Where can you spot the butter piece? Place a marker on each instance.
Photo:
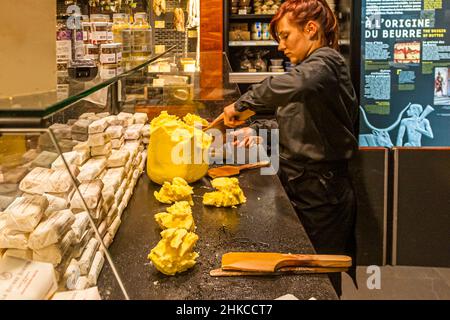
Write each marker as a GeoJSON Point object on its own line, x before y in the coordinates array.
{"type": "Point", "coordinates": [61, 131]}
{"type": "Point", "coordinates": [54, 253]}
{"type": "Point", "coordinates": [133, 132]}
{"type": "Point", "coordinates": [34, 180]}
{"type": "Point", "coordinates": [178, 215]}
{"type": "Point", "coordinates": [178, 190]}
{"type": "Point", "coordinates": [118, 158]}
{"type": "Point", "coordinates": [91, 192]}
{"type": "Point", "coordinates": [98, 126]}
{"type": "Point", "coordinates": [117, 143]}
{"type": "Point", "coordinates": [92, 169]}
{"type": "Point", "coordinates": [229, 193]}
{"type": "Point", "coordinates": [103, 150]}
{"type": "Point", "coordinates": [55, 204]}
{"type": "Point", "coordinates": [96, 268]}
{"type": "Point", "coordinates": [88, 255]}
{"type": "Point", "coordinates": [98, 139]}
{"type": "Point", "coordinates": [80, 224]}
{"type": "Point", "coordinates": [44, 159]}
{"type": "Point", "coordinates": [174, 252]}
{"type": "Point", "coordinates": [115, 132]}
{"type": "Point", "coordinates": [25, 254]}
{"type": "Point", "coordinates": [25, 213]}
{"type": "Point", "coordinates": [71, 157]}
{"type": "Point", "coordinates": [192, 119]}
{"type": "Point", "coordinates": [140, 117]}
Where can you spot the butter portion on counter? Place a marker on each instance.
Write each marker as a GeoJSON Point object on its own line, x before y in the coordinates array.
{"type": "Point", "coordinates": [178, 190]}
{"type": "Point", "coordinates": [191, 119]}
{"type": "Point", "coordinates": [176, 149]}
{"type": "Point", "coordinates": [229, 193]}
{"type": "Point", "coordinates": [177, 216]}
{"type": "Point", "coordinates": [174, 252]}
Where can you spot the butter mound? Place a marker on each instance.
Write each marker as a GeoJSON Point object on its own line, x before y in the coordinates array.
{"type": "Point", "coordinates": [229, 193]}
{"type": "Point", "coordinates": [177, 216]}
{"type": "Point", "coordinates": [176, 149]}
{"type": "Point", "coordinates": [174, 252]}
{"type": "Point", "coordinates": [191, 119]}
{"type": "Point", "coordinates": [178, 190]}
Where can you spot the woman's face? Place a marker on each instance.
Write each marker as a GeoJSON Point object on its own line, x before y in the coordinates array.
{"type": "Point", "coordinates": [294, 41]}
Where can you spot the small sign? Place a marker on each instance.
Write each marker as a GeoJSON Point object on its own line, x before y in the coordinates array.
{"type": "Point", "coordinates": [192, 33]}
{"type": "Point", "coordinates": [153, 68]}
{"type": "Point", "coordinates": [242, 11]}
{"type": "Point", "coordinates": [189, 67]}
{"type": "Point", "coordinates": [158, 82]}
{"type": "Point", "coordinates": [160, 24]}
{"type": "Point", "coordinates": [160, 48]}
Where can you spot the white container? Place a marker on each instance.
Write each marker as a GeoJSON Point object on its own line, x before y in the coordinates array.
{"type": "Point", "coordinates": [111, 54]}
{"type": "Point", "coordinates": [257, 35]}
{"type": "Point", "coordinates": [257, 26]}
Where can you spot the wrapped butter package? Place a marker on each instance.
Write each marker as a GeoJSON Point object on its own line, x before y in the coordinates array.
{"type": "Point", "coordinates": [112, 230]}
{"type": "Point", "coordinates": [82, 146]}
{"type": "Point", "coordinates": [87, 294]}
{"type": "Point", "coordinates": [71, 158]}
{"type": "Point", "coordinates": [87, 256]}
{"type": "Point", "coordinates": [83, 156]}
{"type": "Point", "coordinates": [127, 117]}
{"type": "Point", "coordinates": [5, 201]}
{"type": "Point", "coordinates": [71, 122]}
{"type": "Point", "coordinates": [102, 228]}
{"type": "Point", "coordinates": [92, 169]}
{"type": "Point", "coordinates": [30, 155]}
{"type": "Point", "coordinates": [55, 204]}
{"type": "Point", "coordinates": [60, 181]}
{"type": "Point", "coordinates": [25, 213]}
{"type": "Point", "coordinates": [80, 137]}
{"type": "Point", "coordinates": [91, 192]}
{"type": "Point", "coordinates": [108, 200]}
{"type": "Point", "coordinates": [81, 127]}
{"type": "Point", "coordinates": [107, 240]}
{"type": "Point", "coordinates": [112, 214]}
{"type": "Point", "coordinates": [104, 150]}
{"type": "Point", "coordinates": [98, 126]}
{"type": "Point", "coordinates": [87, 115]}
{"type": "Point", "coordinates": [112, 179]}
{"type": "Point", "coordinates": [13, 175]}
{"type": "Point", "coordinates": [117, 143]}
{"type": "Point", "coordinates": [102, 114]}
{"type": "Point", "coordinates": [61, 131]}
{"type": "Point", "coordinates": [80, 224]}
{"type": "Point", "coordinates": [146, 131]}
{"type": "Point", "coordinates": [25, 254]}
{"type": "Point", "coordinates": [64, 195]}
{"type": "Point", "coordinates": [71, 275]}
{"type": "Point", "coordinates": [140, 117]}
{"type": "Point", "coordinates": [96, 268]}
{"type": "Point", "coordinates": [133, 132]}
{"type": "Point", "coordinates": [120, 192]}
{"type": "Point", "coordinates": [115, 132]}
{"type": "Point", "coordinates": [54, 253]}
{"type": "Point", "coordinates": [51, 230]}
{"type": "Point", "coordinates": [81, 246]}
{"type": "Point", "coordinates": [98, 213]}
{"type": "Point", "coordinates": [44, 159]}
{"type": "Point", "coordinates": [132, 147]}
{"type": "Point", "coordinates": [34, 180]}
{"type": "Point", "coordinates": [98, 139]}
{"type": "Point", "coordinates": [146, 140]}
{"type": "Point", "coordinates": [118, 158]}
{"type": "Point", "coordinates": [11, 238]}
{"type": "Point", "coordinates": [114, 121]}
{"type": "Point", "coordinates": [27, 280]}
{"type": "Point", "coordinates": [67, 145]}
{"type": "Point", "coordinates": [82, 283]}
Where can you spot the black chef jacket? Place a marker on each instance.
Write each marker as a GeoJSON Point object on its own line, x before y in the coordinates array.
{"type": "Point", "coordinates": [317, 117]}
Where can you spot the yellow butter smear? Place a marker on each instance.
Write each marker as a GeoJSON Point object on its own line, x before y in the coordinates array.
{"type": "Point", "coordinates": [177, 149]}
{"type": "Point", "coordinates": [229, 193]}
{"type": "Point", "coordinates": [177, 216]}
{"type": "Point", "coordinates": [174, 252]}
{"type": "Point", "coordinates": [178, 190]}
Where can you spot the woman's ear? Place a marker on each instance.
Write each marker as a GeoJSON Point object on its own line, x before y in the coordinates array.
{"type": "Point", "coordinates": [312, 30]}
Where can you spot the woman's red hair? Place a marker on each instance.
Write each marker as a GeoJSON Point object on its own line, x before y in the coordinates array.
{"type": "Point", "coordinates": [302, 11]}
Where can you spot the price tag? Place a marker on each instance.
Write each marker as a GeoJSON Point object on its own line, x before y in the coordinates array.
{"type": "Point", "coordinates": [160, 48]}
{"type": "Point", "coordinates": [158, 82]}
{"type": "Point", "coordinates": [242, 11]}
{"type": "Point", "coordinates": [189, 67]}
{"type": "Point", "coordinates": [160, 24]}
{"type": "Point", "coordinates": [192, 33]}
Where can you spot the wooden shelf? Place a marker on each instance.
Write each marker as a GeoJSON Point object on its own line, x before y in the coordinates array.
{"type": "Point", "coordinates": [253, 43]}
{"type": "Point", "coordinates": [250, 16]}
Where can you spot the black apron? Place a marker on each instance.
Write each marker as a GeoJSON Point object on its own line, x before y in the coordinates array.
{"type": "Point", "coordinates": [325, 202]}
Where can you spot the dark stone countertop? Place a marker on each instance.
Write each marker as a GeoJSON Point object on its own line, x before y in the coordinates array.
{"type": "Point", "coordinates": [267, 222]}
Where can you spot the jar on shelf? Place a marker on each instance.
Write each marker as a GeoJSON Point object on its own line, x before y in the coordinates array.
{"type": "Point", "coordinates": [111, 55]}
{"type": "Point", "coordinates": [92, 51]}
{"type": "Point", "coordinates": [122, 33]}
{"type": "Point", "coordinates": [100, 18]}
{"type": "Point", "coordinates": [141, 37]}
{"type": "Point", "coordinates": [101, 32]}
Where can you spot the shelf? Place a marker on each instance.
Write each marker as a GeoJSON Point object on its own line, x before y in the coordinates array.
{"type": "Point", "coordinates": [254, 43]}
{"type": "Point", "coordinates": [344, 42]}
{"type": "Point", "coordinates": [251, 77]}
{"type": "Point", "coordinates": [43, 105]}
{"type": "Point", "coordinates": [250, 16]}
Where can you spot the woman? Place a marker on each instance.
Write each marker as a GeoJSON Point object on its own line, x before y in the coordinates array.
{"type": "Point", "coordinates": [317, 117]}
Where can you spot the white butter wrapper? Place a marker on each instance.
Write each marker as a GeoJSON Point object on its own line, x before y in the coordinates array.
{"type": "Point", "coordinates": [114, 121]}
{"type": "Point", "coordinates": [54, 253]}
{"type": "Point", "coordinates": [71, 157]}
{"type": "Point", "coordinates": [25, 213]}
{"type": "Point", "coordinates": [80, 247]}
{"type": "Point", "coordinates": [113, 178]}
{"type": "Point", "coordinates": [140, 118]}
{"type": "Point", "coordinates": [88, 255]}
{"type": "Point", "coordinates": [146, 131]}
{"type": "Point", "coordinates": [104, 150]}
{"type": "Point", "coordinates": [44, 159]}
{"type": "Point", "coordinates": [55, 204]}
{"type": "Point", "coordinates": [80, 137]}
{"type": "Point", "coordinates": [112, 230]}
{"type": "Point", "coordinates": [108, 200]}
{"type": "Point", "coordinates": [13, 175]}
{"type": "Point", "coordinates": [98, 139]}
{"type": "Point", "coordinates": [61, 131]}
{"type": "Point", "coordinates": [112, 214]}
{"type": "Point", "coordinates": [60, 181]}
{"type": "Point", "coordinates": [82, 283]}
{"type": "Point", "coordinates": [30, 155]}
{"type": "Point", "coordinates": [80, 225]}
{"type": "Point", "coordinates": [91, 192]}
{"type": "Point", "coordinates": [51, 230]}
{"type": "Point", "coordinates": [96, 268]}
{"type": "Point", "coordinates": [118, 158]}
{"type": "Point", "coordinates": [34, 181]}
{"type": "Point", "coordinates": [25, 254]}
{"type": "Point", "coordinates": [133, 132]}
{"type": "Point", "coordinates": [115, 132]}
{"type": "Point", "coordinates": [107, 240]}
{"type": "Point", "coordinates": [11, 238]}
{"type": "Point", "coordinates": [83, 156]}
{"type": "Point", "coordinates": [92, 169]}
{"type": "Point", "coordinates": [102, 228]}
{"type": "Point", "coordinates": [98, 126]}
{"type": "Point", "coordinates": [81, 127]}
{"type": "Point", "coordinates": [82, 146]}
{"type": "Point", "coordinates": [128, 117]}
{"type": "Point", "coordinates": [27, 280]}
{"type": "Point", "coordinates": [71, 275]}
{"type": "Point", "coordinates": [78, 295]}
{"type": "Point", "coordinates": [118, 143]}
{"type": "Point", "coordinates": [132, 147]}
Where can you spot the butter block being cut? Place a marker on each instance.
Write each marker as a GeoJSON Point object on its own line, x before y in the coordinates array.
{"type": "Point", "coordinates": [178, 190]}
{"type": "Point", "coordinates": [229, 193]}
{"type": "Point", "coordinates": [178, 215]}
{"type": "Point", "coordinates": [174, 252]}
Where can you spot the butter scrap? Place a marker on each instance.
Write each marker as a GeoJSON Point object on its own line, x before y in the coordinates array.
{"type": "Point", "coordinates": [178, 190]}
{"type": "Point", "coordinates": [191, 119]}
{"type": "Point", "coordinates": [174, 252]}
{"type": "Point", "coordinates": [177, 216]}
{"type": "Point", "coordinates": [229, 193]}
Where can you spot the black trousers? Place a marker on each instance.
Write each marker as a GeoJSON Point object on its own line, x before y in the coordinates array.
{"type": "Point", "coordinates": [325, 202]}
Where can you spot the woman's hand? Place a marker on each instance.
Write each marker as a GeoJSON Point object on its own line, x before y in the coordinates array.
{"type": "Point", "coordinates": [231, 117]}
{"type": "Point", "coordinates": [246, 137]}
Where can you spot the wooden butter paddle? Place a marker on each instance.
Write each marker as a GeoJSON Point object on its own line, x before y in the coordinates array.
{"type": "Point", "coordinates": [271, 262]}
{"type": "Point", "coordinates": [228, 171]}
{"type": "Point", "coordinates": [281, 271]}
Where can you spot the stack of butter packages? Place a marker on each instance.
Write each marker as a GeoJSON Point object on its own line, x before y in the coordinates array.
{"type": "Point", "coordinates": [48, 221]}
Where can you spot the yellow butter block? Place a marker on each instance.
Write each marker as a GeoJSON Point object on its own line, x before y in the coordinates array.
{"type": "Point", "coordinates": [191, 119]}
{"type": "Point", "coordinates": [174, 252]}
{"type": "Point", "coordinates": [177, 216]}
{"type": "Point", "coordinates": [178, 190]}
{"type": "Point", "coordinates": [229, 193]}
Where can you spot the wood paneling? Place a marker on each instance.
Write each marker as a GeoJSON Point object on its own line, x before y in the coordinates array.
{"type": "Point", "coordinates": [211, 25]}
